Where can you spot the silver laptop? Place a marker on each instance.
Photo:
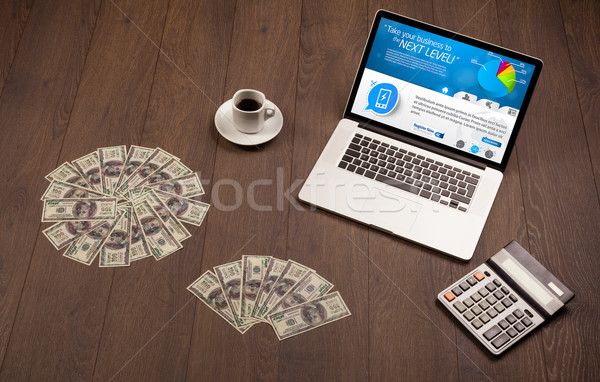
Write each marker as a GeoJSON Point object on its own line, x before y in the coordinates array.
{"type": "Point", "coordinates": [427, 132]}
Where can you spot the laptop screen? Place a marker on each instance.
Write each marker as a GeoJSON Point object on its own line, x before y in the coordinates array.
{"type": "Point", "coordinates": [442, 88]}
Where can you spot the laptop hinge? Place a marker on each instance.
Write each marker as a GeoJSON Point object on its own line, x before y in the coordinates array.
{"type": "Point", "coordinates": [420, 144]}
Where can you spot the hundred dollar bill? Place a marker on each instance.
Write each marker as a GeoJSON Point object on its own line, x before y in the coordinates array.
{"type": "Point", "coordinates": [187, 210]}
{"type": "Point", "coordinates": [112, 160]}
{"type": "Point", "coordinates": [63, 233]}
{"type": "Point", "coordinates": [254, 268]}
{"type": "Point", "coordinates": [57, 210]}
{"type": "Point", "coordinates": [208, 289]}
{"type": "Point", "coordinates": [151, 164]}
{"type": "Point", "coordinates": [276, 267]}
{"type": "Point", "coordinates": [179, 232]}
{"type": "Point", "coordinates": [62, 190]}
{"type": "Point", "coordinates": [230, 278]}
{"type": "Point", "coordinates": [86, 248]}
{"type": "Point", "coordinates": [311, 287]}
{"type": "Point", "coordinates": [115, 250]}
{"type": "Point", "coordinates": [292, 273]}
{"type": "Point", "coordinates": [170, 170]}
{"type": "Point", "coordinates": [89, 168]}
{"type": "Point", "coordinates": [310, 315]}
{"type": "Point", "coordinates": [135, 157]}
{"type": "Point", "coordinates": [68, 174]}
{"type": "Point", "coordinates": [186, 187]}
{"type": "Point", "coordinates": [138, 249]}
{"type": "Point", "coordinates": [159, 239]}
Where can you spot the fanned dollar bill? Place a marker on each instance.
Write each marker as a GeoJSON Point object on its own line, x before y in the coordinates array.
{"type": "Point", "coordinates": [276, 267]}
{"type": "Point", "coordinates": [292, 273]}
{"type": "Point", "coordinates": [311, 287]}
{"type": "Point", "coordinates": [135, 157]}
{"type": "Point", "coordinates": [305, 306]}
{"type": "Point", "coordinates": [115, 250]}
{"type": "Point", "coordinates": [86, 247]}
{"type": "Point", "coordinates": [57, 210]}
{"type": "Point", "coordinates": [310, 315]}
{"type": "Point", "coordinates": [63, 233]}
{"type": "Point", "coordinates": [187, 210]}
{"type": "Point", "coordinates": [112, 160]}
{"type": "Point", "coordinates": [151, 164]}
{"type": "Point", "coordinates": [89, 168]}
{"type": "Point", "coordinates": [230, 278]}
{"type": "Point", "coordinates": [208, 289]}
{"type": "Point", "coordinates": [187, 186]}
{"type": "Point", "coordinates": [139, 248]}
{"type": "Point", "coordinates": [254, 268]}
{"type": "Point", "coordinates": [84, 201]}
{"type": "Point", "coordinates": [68, 174]}
{"type": "Point", "coordinates": [160, 241]}
{"type": "Point", "coordinates": [179, 232]}
{"type": "Point", "coordinates": [170, 170]}
{"type": "Point", "coordinates": [62, 190]}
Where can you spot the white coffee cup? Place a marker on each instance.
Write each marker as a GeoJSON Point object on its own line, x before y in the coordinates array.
{"type": "Point", "coordinates": [250, 109]}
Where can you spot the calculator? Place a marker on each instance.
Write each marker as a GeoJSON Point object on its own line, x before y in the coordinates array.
{"type": "Point", "coordinates": [505, 298]}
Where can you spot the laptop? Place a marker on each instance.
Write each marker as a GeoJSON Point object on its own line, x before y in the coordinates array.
{"type": "Point", "coordinates": [427, 132]}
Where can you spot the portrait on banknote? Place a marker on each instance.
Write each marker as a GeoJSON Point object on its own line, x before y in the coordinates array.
{"type": "Point", "coordinates": [232, 289]}
{"type": "Point", "coordinates": [177, 206]}
{"type": "Point", "coordinates": [84, 209]}
{"type": "Point", "coordinates": [313, 314]}
{"type": "Point", "coordinates": [151, 225]}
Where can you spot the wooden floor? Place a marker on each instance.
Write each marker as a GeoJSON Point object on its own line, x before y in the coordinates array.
{"type": "Point", "coordinates": [82, 74]}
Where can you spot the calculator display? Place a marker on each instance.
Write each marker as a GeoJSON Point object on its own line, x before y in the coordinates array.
{"type": "Point", "coordinates": [527, 282]}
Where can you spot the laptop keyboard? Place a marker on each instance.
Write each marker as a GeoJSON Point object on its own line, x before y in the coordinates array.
{"type": "Point", "coordinates": [403, 169]}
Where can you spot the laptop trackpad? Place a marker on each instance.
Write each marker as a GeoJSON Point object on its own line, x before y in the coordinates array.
{"type": "Point", "coordinates": [390, 211]}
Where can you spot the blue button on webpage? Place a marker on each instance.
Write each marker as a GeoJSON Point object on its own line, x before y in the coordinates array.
{"type": "Point", "coordinates": [491, 142]}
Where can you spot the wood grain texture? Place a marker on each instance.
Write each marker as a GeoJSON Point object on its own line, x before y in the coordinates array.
{"type": "Point", "coordinates": [247, 216]}
{"type": "Point", "coordinates": [582, 26]}
{"type": "Point", "coordinates": [561, 201]}
{"type": "Point", "coordinates": [34, 109]}
{"type": "Point", "coordinates": [13, 16]}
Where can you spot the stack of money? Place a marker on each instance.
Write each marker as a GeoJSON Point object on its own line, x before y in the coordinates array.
{"type": "Point", "coordinates": [122, 205]}
{"type": "Point", "coordinates": [289, 296]}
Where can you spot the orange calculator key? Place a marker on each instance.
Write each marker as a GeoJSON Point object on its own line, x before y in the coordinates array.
{"type": "Point", "coordinates": [449, 296]}
{"type": "Point", "coordinates": [479, 276]}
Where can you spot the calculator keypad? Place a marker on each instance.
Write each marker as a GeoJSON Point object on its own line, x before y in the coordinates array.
{"type": "Point", "coordinates": [490, 309]}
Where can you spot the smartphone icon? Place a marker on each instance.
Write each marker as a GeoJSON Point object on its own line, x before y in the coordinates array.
{"type": "Point", "coordinates": [383, 98]}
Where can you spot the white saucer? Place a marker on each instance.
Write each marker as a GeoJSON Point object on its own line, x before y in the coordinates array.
{"type": "Point", "coordinates": [223, 121]}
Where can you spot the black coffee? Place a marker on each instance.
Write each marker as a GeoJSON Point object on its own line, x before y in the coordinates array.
{"type": "Point", "coordinates": [248, 104]}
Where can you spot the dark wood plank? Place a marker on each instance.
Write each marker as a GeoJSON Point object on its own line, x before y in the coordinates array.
{"type": "Point", "coordinates": [13, 16]}
{"type": "Point", "coordinates": [561, 201]}
{"type": "Point", "coordinates": [506, 221]}
{"type": "Point", "coordinates": [109, 109]}
{"type": "Point", "coordinates": [34, 109]}
{"type": "Point", "coordinates": [263, 55]}
{"type": "Point", "coordinates": [583, 37]}
{"type": "Point", "coordinates": [180, 120]}
{"type": "Point", "coordinates": [332, 39]}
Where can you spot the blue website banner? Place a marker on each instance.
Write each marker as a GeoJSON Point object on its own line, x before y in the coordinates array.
{"type": "Point", "coordinates": [447, 66]}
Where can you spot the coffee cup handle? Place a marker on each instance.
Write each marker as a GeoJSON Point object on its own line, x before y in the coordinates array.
{"type": "Point", "coordinates": [269, 110]}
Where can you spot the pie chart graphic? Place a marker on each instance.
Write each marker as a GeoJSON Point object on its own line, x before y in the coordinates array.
{"type": "Point", "coordinates": [497, 78]}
